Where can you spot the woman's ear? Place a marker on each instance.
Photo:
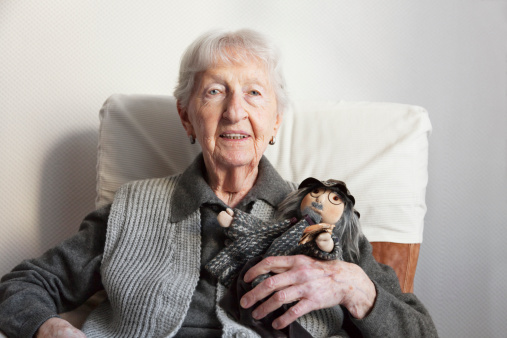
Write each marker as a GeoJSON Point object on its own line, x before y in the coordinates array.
{"type": "Point", "coordinates": [185, 121]}
{"type": "Point", "coordinates": [278, 122]}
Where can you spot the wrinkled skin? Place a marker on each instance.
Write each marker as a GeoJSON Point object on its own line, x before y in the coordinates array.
{"type": "Point", "coordinates": [60, 328]}
{"type": "Point", "coordinates": [233, 114]}
{"type": "Point", "coordinates": [315, 284]}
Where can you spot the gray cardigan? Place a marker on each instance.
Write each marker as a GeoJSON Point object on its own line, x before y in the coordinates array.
{"type": "Point", "coordinates": [150, 267]}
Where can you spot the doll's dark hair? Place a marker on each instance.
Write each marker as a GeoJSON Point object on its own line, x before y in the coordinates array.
{"type": "Point", "coordinates": [348, 228]}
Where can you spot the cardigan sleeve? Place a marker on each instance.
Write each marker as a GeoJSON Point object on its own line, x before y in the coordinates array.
{"type": "Point", "coordinates": [61, 279]}
{"type": "Point", "coordinates": [394, 314]}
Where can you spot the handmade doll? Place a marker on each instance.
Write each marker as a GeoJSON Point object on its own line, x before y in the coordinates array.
{"type": "Point", "coordinates": [317, 220]}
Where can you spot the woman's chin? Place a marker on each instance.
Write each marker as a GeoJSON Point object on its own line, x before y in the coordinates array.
{"type": "Point", "coordinates": [238, 159]}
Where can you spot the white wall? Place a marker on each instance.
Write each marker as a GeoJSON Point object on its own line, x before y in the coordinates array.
{"type": "Point", "coordinates": [59, 60]}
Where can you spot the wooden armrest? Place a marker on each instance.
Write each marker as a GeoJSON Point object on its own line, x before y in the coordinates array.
{"type": "Point", "coordinates": [402, 258]}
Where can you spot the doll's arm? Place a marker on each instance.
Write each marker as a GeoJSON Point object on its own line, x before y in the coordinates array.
{"type": "Point", "coordinates": [239, 224]}
{"type": "Point", "coordinates": [225, 218]}
{"type": "Point", "coordinates": [325, 242]}
{"type": "Point", "coordinates": [321, 233]}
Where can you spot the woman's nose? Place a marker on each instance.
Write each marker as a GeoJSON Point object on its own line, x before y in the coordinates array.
{"type": "Point", "coordinates": [234, 111]}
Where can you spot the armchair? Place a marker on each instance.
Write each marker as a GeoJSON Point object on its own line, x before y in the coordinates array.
{"type": "Point", "coordinates": [379, 149]}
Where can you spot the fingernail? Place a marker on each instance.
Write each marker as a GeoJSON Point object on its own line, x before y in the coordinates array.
{"type": "Point", "coordinates": [244, 302]}
{"type": "Point", "coordinates": [255, 314]}
{"type": "Point", "coordinates": [276, 325]}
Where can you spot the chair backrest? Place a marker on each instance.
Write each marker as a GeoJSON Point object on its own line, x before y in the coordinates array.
{"type": "Point", "coordinates": [379, 149]}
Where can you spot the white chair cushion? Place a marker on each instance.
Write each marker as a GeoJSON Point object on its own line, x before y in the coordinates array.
{"type": "Point", "coordinates": [379, 149]}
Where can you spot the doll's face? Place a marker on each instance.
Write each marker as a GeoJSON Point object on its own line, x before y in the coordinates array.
{"type": "Point", "coordinates": [324, 202]}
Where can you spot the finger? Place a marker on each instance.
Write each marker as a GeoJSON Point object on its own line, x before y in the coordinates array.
{"type": "Point", "coordinates": [261, 291]}
{"type": "Point", "coordinates": [279, 298]}
{"type": "Point", "coordinates": [297, 275]}
{"type": "Point", "coordinates": [58, 327]}
{"type": "Point", "coordinates": [69, 333]}
{"type": "Point", "coordinates": [276, 264]}
{"type": "Point", "coordinates": [299, 309]}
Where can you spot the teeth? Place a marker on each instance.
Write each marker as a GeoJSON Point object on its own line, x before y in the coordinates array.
{"type": "Point", "coordinates": [234, 136]}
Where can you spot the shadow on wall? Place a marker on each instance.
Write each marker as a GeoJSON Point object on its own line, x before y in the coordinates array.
{"type": "Point", "coordinates": [67, 191]}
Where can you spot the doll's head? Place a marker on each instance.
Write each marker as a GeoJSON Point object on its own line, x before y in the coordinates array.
{"type": "Point", "coordinates": [326, 202]}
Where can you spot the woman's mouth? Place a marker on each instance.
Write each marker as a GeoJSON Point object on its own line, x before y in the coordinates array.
{"type": "Point", "coordinates": [233, 136]}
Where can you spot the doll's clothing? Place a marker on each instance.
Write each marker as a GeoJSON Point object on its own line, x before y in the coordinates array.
{"type": "Point", "coordinates": [287, 244]}
{"type": "Point", "coordinates": [251, 237]}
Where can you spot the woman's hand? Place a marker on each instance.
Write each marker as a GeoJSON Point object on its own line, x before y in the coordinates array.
{"type": "Point", "coordinates": [315, 284]}
{"type": "Point", "coordinates": [57, 327]}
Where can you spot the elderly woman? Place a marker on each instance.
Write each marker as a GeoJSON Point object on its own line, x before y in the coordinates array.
{"type": "Point", "coordinates": [149, 248]}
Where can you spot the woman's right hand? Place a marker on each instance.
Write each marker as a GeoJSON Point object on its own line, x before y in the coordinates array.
{"type": "Point", "coordinates": [57, 327]}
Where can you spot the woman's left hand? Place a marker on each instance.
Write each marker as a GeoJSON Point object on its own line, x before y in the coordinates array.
{"type": "Point", "coordinates": [315, 284]}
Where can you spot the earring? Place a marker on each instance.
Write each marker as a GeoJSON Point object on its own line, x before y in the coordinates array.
{"type": "Point", "coordinates": [273, 140]}
{"type": "Point", "coordinates": [192, 139]}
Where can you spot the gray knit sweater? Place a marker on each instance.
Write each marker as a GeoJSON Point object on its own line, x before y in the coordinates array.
{"type": "Point", "coordinates": [150, 268]}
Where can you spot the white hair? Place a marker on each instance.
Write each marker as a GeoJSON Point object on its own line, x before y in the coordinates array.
{"type": "Point", "coordinates": [219, 46]}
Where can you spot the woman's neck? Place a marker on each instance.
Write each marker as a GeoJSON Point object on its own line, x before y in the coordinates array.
{"type": "Point", "coordinates": [232, 184]}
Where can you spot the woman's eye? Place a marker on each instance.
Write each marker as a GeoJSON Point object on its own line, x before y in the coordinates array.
{"type": "Point", "coordinates": [213, 92]}
{"type": "Point", "coordinates": [255, 93]}
{"type": "Point", "coordinates": [336, 198]}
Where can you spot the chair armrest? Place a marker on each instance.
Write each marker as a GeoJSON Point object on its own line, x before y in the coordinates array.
{"type": "Point", "coordinates": [402, 258]}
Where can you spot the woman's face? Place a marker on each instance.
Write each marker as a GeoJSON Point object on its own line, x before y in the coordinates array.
{"type": "Point", "coordinates": [233, 114]}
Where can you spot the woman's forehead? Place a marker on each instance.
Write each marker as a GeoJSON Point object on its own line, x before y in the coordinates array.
{"type": "Point", "coordinates": [247, 73]}
{"type": "Point", "coordinates": [253, 70]}
{"type": "Point", "coordinates": [233, 55]}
